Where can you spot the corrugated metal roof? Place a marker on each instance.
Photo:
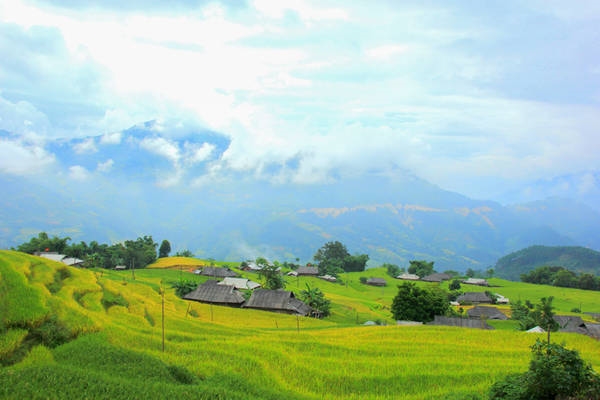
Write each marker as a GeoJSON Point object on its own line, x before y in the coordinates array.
{"type": "Point", "coordinates": [240, 283]}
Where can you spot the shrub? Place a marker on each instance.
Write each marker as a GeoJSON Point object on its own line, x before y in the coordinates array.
{"type": "Point", "coordinates": [554, 373]}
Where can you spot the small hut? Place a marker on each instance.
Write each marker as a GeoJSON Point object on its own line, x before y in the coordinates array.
{"type": "Point", "coordinates": [280, 301]}
{"type": "Point", "coordinates": [486, 312]}
{"type": "Point", "coordinates": [376, 282]}
{"type": "Point", "coordinates": [212, 292]}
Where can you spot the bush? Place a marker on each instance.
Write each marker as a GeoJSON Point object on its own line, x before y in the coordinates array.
{"type": "Point", "coordinates": [554, 373]}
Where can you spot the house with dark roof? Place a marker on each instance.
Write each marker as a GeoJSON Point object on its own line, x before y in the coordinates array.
{"type": "Point", "coordinates": [570, 323]}
{"type": "Point", "coordinates": [217, 272]}
{"type": "Point", "coordinates": [376, 282]}
{"type": "Point", "coordinates": [473, 298]}
{"type": "Point", "coordinates": [307, 271]}
{"type": "Point", "coordinates": [211, 292]}
{"type": "Point", "coordinates": [280, 301]}
{"type": "Point", "coordinates": [486, 312]}
{"type": "Point", "coordinates": [436, 277]}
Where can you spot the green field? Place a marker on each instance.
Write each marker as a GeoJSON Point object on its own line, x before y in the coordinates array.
{"type": "Point", "coordinates": [71, 333]}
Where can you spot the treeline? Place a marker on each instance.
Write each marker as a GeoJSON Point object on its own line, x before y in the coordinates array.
{"type": "Point", "coordinates": [562, 277]}
{"type": "Point", "coordinates": [130, 253]}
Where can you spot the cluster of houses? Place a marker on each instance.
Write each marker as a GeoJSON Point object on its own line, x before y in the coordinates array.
{"type": "Point", "coordinates": [439, 277]}
{"type": "Point", "coordinates": [227, 292]}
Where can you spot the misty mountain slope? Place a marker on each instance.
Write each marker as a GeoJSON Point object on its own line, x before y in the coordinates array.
{"type": "Point", "coordinates": [130, 184]}
{"type": "Point", "coordinates": [575, 258]}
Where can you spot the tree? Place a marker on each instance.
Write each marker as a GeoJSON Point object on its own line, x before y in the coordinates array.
{"type": "Point", "coordinates": [543, 314]}
{"type": "Point", "coordinates": [413, 303]}
{"type": "Point", "coordinates": [420, 267]}
{"type": "Point", "coordinates": [555, 372]}
{"type": "Point", "coordinates": [333, 258]}
{"type": "Point", "coordinates": [392, 269]}
{"type": "Point", "coordinates": [165, 249]}
{"type": "Point", "coordinates": [184, 253]}
{"type": "Point", "coordinates": [316, 300]}
{"type": "Point", "coordinates": [44, 243]}
{"type": "Point", "coordinates": [454, 285]}
{"type": "Point", "coordinates": [270, 274]}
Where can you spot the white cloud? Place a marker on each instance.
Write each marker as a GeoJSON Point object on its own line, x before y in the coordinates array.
{"type": "Point", "coordinates": [105, 166]}
{"type": "Point", "coordinates": [162, 147]}
{"type": "Point", "coordinates": [195, 153]}
{"type": "Point", "coordinates": [78, 173]}
{"type": "Point", "coordinates": [305, 90]}
{"type": "Point", "coordinates": [111, 138]}
{"type": "Point", "coordinates": [86, 146]}
{"type": "Point", "coordinates": [21, 158]}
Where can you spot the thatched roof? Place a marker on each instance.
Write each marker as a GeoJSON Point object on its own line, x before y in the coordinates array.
{"type": "Point", "coordinates": [570, 323]}
{"type": "Point", "coordinates": [436, 277]}
{"type": "Point", "coordinates": [307, 271]}
{"type": "Point", "coordinates": [218, 272]}
{"type": "Point", "coordinates": [474, 298]}
{"type": "Point", "coordinates": [376, 282]}
{"type": "Point", "coordinates": [240, 283]}
{"type": "Point", "coordinates": [460, 322]}
{"type": "Point", "coordinates": [486, 312]}
{"type": "Point", "coordinates": [212, 292]}
{"type": "Point", "coordinates": [277, 300]}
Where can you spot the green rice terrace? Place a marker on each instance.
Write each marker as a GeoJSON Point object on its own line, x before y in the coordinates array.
{"type": "Point", "coordinates": [70, 333]}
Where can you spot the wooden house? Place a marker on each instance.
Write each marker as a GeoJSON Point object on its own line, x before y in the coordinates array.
{"type": "Point", "coordinates": [280, 301]}
{"type": "Point", "coordinates": [376, 282]}
{"type": "Point", "coordinates": [486, 312]}
{"type": "Point", "coordinates": [212, 292]}
{"type": "Point", "coordinates": [474, 298]}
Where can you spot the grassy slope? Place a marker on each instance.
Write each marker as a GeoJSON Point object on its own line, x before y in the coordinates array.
{"type": "Point", "coordinates": [217, 352]}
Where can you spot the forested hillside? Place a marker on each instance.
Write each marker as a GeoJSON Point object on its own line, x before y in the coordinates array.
{"type": "Point", "coordinates": [574, 258]}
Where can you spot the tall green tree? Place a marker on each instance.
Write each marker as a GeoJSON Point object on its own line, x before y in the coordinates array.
{"type": "Point", "coordinates": [272, 278]}
{"type": "Point", "coordinates": [543, 314]}
{"type": "Point", "coordinates": [420, 267]}
{"type": "Point", "coordinates": [315, 298]}
{"type": "Point", "coordinates": [333, 258]}
{"type": "Point", "coordinates": [164, 249]}
{"type": "Point", "coordinates": [413, 303]}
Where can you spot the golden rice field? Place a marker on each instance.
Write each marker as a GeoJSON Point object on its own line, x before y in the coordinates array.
{"type": "Point", "coordinates": [72, 333]}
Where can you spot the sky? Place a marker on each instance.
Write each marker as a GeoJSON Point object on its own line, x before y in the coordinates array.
{"type": "Point", "coordinates": [481, 98]}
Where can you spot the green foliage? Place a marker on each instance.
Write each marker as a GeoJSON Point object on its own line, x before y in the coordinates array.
{"type": "Point", "coordinates": [541, 315]}
{"type": "Point", "coordinates": [139, 253]}
{"type": "Point", "coordinates": [420, 267]}
{"type": "Point", "coordinates": [555, 372]}
{"type": "Point", "coordinates": [184, 253]}
{"type": "Point", "coordinates": [59, 276]}
{"type": "Point", "coordinates": [110, 299]}
{"type": "Point", "coordinates": [271, 275]}
{"type": "Point", "coordinates": [184, 286]}
{"type": "Point", "coordinates": [454, 285]}
{"type": "Point", "coordinates": [333, 258]}
{"type": "Point", "coordinates": [44, 243]}
{"type": "Point", "coordinates": [580, 259]}
{"type": "Point", "coordinates": [165, 249]}
{"type": "Point", "coordinates": [315, 298]}
{"type": "Point", "coordinates": [413, 303]}
{"type": "Point", "coordinates": [392, 270]}
{"type": "Point", "coordinates": [561, 277]}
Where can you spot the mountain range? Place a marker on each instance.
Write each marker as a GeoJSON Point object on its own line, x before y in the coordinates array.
{"type": "Point", "coordinates": [141, 182]}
